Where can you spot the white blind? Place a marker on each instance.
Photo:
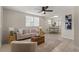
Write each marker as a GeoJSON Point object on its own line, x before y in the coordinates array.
{"type": "Point", "coordinates": [32, 21]}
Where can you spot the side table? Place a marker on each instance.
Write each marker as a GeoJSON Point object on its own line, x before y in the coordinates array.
{"type": "Point", "coordinates": [38, 39]}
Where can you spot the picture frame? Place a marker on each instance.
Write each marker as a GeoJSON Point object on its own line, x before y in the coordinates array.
{"type": "Point", "coordinates": [68, 22]}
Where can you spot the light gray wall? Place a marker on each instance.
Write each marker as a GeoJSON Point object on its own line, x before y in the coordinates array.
{"type": "Point", "coordinates": [11, 19]}
{"type": "Point", "coordinates": [69, 34]}
{"type": "Point", "coordinates": [1, 25]}
{"type": "Point", "coordinates": [15, 19]}
{"type": "Point", "coordinates": [76, 26]}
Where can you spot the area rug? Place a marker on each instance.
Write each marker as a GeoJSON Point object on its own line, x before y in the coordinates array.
{"type": "Point", "coordinates": [48, 46]}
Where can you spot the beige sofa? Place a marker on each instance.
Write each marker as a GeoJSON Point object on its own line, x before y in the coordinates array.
{"type": "Point", "coordinates": [21, 46]}
{"type": "Point", "coordinates": [24, 33]}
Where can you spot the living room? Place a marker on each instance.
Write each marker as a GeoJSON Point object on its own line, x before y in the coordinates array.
{"type": "Point", "coordinates": [56, 38]}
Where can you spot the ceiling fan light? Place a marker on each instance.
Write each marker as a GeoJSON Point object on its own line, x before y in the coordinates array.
{"type": "Point", "coordinates": [43, 12]}
{"type": "Point", "coordinates": [55, 16]}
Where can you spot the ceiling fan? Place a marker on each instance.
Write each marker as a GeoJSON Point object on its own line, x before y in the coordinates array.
{"type": "Point", "coordinates": [44, 9]}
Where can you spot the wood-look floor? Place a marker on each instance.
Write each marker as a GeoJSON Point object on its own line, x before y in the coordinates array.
{"type": "Point", "coordinates": [66, 45]}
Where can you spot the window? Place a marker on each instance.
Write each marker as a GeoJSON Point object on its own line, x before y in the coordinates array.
{"type": "Point", "coordinates": [32, 21]}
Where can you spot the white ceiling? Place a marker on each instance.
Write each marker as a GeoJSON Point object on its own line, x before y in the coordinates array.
{"type": "Point", "coordinates": [36, 9]}
{"type": "Point", "coordinates": [26, 9]}
{"type": "Point", "coordinates": [29, 9]}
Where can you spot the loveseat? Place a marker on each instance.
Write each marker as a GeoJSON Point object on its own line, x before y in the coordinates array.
{"type": "Point", "coordinates": [24, 33]}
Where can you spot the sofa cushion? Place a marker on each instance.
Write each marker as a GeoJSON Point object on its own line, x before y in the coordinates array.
{"type": "Point", "coordinates": [20, 31]}
{"type": "Point", "coordinates": [26, 31]}
{"type": "Point", "coordinates": [34, 30]}
{"type": "Point", "coordinates": [23, 36]}
{"type": "Point", "coordinates": [34, 34]}
{"type": "Point", "coordinates": [22, 46]}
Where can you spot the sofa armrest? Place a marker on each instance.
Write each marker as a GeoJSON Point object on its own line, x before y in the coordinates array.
{"type": "Point", "coordinates": [18, 35]}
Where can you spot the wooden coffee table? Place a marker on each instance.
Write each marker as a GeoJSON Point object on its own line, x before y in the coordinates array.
{"type": "Point", "coordinates": [38, 39]}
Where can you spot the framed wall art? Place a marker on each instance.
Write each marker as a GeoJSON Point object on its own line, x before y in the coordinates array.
{"type": "Point", "coordinates": [68, 22]}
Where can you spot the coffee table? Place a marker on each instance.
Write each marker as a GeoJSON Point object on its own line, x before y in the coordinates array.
{"type": "Point", "coordinates": [38, 39]}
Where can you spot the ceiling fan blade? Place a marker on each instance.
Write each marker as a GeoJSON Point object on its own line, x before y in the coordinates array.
{"type": "Point", "coordinates": [49, 10]}
{"type": "Point", "coordinates": [39, 11]}
{"type": "Point", "coordinates": [46, 7]}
